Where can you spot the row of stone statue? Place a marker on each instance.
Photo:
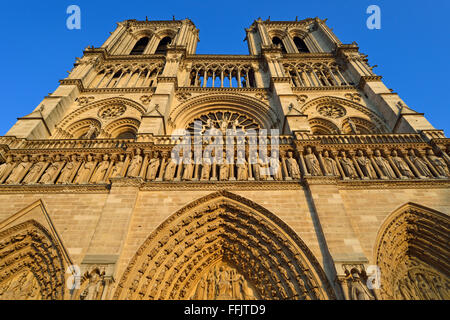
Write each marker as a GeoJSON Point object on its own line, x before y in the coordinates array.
{"type": "Point", "coordinates": [153, 167]}
{"type": "Point", "coordinates": [359, 165]}
{"type": "Point", "coordinates": [94, 171]}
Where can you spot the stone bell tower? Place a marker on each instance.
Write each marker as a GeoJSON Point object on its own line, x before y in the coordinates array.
{"type": "Point", "coordinates": [152, 41]}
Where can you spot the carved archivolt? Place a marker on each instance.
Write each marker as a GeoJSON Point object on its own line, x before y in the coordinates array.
{"type": "Point", "coordinates": [223, 229]}
{"type": "Point", "coordinates": [412, 251]}
{"type": "Point", "coordinates": [340, 107]}
{"type": "Point", "coordinates": [323, 126]}
{"type": "Point", "coordinates": [31, 264]}
{"type": "Point", "coordinates": [101, 114]}
{"type": "Point", "coordinates": [81, 127]}
{"type": "Point", "coordinates": [253, 108]}
{"type": "Point", "coordinates": [122, 125]}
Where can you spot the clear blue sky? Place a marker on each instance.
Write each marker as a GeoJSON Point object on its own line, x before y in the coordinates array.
{"type": "Point", "coordinates": [411, 49]}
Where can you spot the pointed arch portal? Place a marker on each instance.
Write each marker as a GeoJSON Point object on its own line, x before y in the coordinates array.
{"type": "Point", "coordinates": [32, 264]}
{"type": "Point", "coordinates": [412, 251]}
{"type": "Point", "coordinates": [223, 246]}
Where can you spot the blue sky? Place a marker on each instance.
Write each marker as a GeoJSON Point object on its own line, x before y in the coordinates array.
{"type": "Point", "coordinates": [411, 49]}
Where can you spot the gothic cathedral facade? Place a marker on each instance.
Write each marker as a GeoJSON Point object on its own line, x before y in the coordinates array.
{"type": "Point", "coordinates": [94, 205]}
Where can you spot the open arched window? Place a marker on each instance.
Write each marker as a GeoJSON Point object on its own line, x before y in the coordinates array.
{"type": "Point", "coordinates": [140, 46]}
{"type": "Point", "coordinates": [162, 46]}
{"type": "Point", "coordinates": [277, 41]}
{"type": "Point", "coordinates": [301, 45]}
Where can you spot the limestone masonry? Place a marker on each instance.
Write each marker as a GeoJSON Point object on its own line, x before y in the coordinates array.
{"type": "Point", "coordinates": [356, 208]}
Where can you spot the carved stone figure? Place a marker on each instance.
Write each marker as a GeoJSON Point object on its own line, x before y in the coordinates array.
{"type": "Point", "coordinates": [35, 170]}
{"type": "Point", "coordinates": [420, 165]}
{"type": "Point", "coordinates": [242, 167]}
{"type": "Point", "coordinates": [18, 171]}
{"type": "Point", "coordinates": [85, 171]}
{"type": "Point", "coordinates": [91, 133]}
{"type": "Point", "coordinates": [94, 287]}
{"type": "Point", "coordinates": [438, 163]}
{"type": "Point", "coordinates": [312, 163]}
{"type": "Point", "coordinates": [135, 166]}
{"type": "Point", "coordinates": [330, 164]}
{"type": "Point", "coordinates": [171, 167]}
{"type": "Point", "coordinates": [51, 172]}
{"type": "Point", "coordinates": [188, 167]}
{"type": "Point", "coordinates": [401, 165]}
{"type": "Point", "coordinates": [4, 167]}
{"type": "Point", "coordinates": [67, 172]}
{"type": "Point", "coordinates": [22, 287]}
{"type": "Point", "coordinates": [292, 166]}
{"type": "Point", "coordinates": [206, 168]}
{"type": "Point", "coordinates": [224, 170]}
{"type": "Point", "coordinates": [275, 166]}
{"type": "Point", "coordinates": [358, 289]}
{"type": "Point", "coordinates": [263, 168]}
{"type": "Point", "coordinates": [347, 166]}
{"type": "Point", "coordinates": [102, 168]}
{"type": "Point", "coordinates": [223, 282]}
{"type": "Point", "coordinates": [118, 167]}
{"type": "Point", "coordinates": [153, 167]}
{"type": "Point", "coordinates": [365, 165]}
{"type": "Point", "coordinates": [384, 165]}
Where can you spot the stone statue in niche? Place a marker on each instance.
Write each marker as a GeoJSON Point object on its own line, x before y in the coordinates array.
{"type": "Point", "coordinates": [253, 163]}
{"type": "Point", "coordinates": [18, 171]}
{"type": "Point", "coordinates": [275, 165]}
{"type": "Point", "coordinates": [312, 163]}
{"type": "Point", "coordinates": [358, 288]}
{"type": "Point", "coordinates": [292, 166]}
{"type": "Point", "coordinates": [85, 171]}
{"type": "Point", "coordinates": [36, 169]}
{"type": "Point", "coordinates": [188, 167]}
{"type": "Point", "coordinates": [263, 167]}
{"type": "Point", "coordinates": [135, 166]}
{"type": "Point", "coordinates": [91, 133]}
{"type": "Point", "coordinates": [330, 164]}
{"type": "Point", "coordinates": [50, 174]}
{"type": "Point", "coordinates": [420, 165]}
{"type": "Point", "coordinates": [365, 165]}
{"type": "Point", "coordinates": [438, 163]}
{"type": "Point", "coordinates": [4, 167]}
{"type": "Point", "coordinates": [401, 165]}
{"type": "Point", "coordinates": [118, 167]}
{"type": "Point", "coordinates": [66, 173]}
{"type": "Point", "coordinates": [347, 166]}
{"type": "Point", "coordinates": [153, 167]}
{"type": "Point", "coordinates": [242, 167]}
{"type": "Point", "coordinates": [171, 167]}
{"type": "Point", "coordinates": [206, 168]}
{"type": "Point", "coordinates": [102, 168]}
{"type": "Point", "coordinates": [95, 285]}
{"type": "Point", "coordinates": [384, 165]}
{"type": "Point", "coordinates": [224, 169]}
